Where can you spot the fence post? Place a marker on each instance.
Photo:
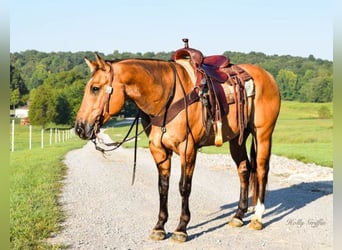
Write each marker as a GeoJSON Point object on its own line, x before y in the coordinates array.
{"type": "Point", "coordinates": [12, 135]}
{"type": "Point", "coordinates": [30, 137]}
{"type": "Point", "coordinates": [50, 136]}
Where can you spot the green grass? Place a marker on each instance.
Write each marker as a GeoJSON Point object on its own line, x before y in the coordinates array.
{"type": "Point", "coordinates": [35, 183]}
{"type": "Point", "coordinates": [300, 134]}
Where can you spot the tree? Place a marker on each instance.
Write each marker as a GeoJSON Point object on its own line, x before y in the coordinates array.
{"type": "Point", "coordinates": [288, 84]}
{"type": "Point", "coordinates": [73, 92]}
{"type": "Point", "coordinates": [317, 87]}
{"type": "Point", "coordinates": [14, 98]}
{"type": "Point", "coordinates": [38, 76]}
{"type": "Point", "coordinates": [321, 90]}
{"type": "Point", "coordinates": [62, 110]}
{"type": "Point", "coordinates": [17, 87]}
{"type": "Point", "coordinates": [42, 109]}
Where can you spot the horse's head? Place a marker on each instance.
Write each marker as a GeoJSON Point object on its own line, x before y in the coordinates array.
{"type": "Point", "coordinates": [102, 98]}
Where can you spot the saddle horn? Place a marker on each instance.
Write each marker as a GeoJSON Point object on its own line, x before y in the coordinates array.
{"type": "Point", "coordinates": [186, 42]}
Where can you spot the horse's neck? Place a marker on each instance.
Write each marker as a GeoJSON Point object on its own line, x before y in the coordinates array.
{"type": "Point", "coordinates": [147, 83]}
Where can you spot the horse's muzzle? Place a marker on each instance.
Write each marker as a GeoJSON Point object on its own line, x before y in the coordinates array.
{"type": "Point", "coordinates": [84, 130]}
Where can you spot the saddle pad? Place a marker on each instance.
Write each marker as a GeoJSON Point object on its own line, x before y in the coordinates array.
{"type": "Point", "coordinates": [229, 90]}
{"type": "Point", "coordinates": [249, 86]}
{"type": "Point", "coordinates": [189, 68]}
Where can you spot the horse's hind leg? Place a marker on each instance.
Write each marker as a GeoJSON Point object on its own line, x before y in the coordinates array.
{"type": "Point", "coordinates": [259, 173]}
{"type": "Point", "coordinates": [239, 155]}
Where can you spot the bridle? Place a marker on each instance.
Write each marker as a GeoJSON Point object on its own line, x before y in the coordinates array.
{"type": "Point", "coordinates": [105, 105]}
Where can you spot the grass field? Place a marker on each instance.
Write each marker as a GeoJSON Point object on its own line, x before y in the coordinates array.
{"type": "Point", "coordinates": [300, 133]}
{"type": "Point", "coordinates": [35, 183]}
{"type": "Point", "coordinates": [35, 175]}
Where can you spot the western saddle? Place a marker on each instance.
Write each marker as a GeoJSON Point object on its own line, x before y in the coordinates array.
{"type": "Point", "coordinates": [209, 74]}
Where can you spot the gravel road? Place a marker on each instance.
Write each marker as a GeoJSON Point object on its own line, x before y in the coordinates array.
{"type": "Point", "coordinates": [105, 212]}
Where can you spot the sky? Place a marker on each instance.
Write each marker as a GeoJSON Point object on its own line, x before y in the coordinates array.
{"type": "Point", "coordinates": [292, 27]}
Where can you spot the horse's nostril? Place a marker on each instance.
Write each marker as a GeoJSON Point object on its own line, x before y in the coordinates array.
{"type": "Point", "coordinates": [79, 130]}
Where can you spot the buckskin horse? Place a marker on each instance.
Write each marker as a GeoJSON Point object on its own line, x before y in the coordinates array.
{"type": "Point", "coordinates": [179, 117]}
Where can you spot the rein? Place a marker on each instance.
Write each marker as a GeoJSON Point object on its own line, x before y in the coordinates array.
{"type": "Point", "coordinates": [116, 145]}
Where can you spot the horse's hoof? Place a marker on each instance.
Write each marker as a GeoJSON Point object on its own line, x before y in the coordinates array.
{"type": "Point", "coordinates": [158, 235]}
{"type": "Point", "coordinates": [235, 222]}
{"type": "Point", "coordinates": [255, 224]}
{"type": "Point", "coordinates": [179, 237]}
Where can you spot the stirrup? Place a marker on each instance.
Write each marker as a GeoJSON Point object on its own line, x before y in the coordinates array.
{"type": "Point", "coordinates": [218, 134]}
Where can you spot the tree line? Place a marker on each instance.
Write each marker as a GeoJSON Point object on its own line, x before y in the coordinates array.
{"type": "Point", "coordinates": [53, 83]}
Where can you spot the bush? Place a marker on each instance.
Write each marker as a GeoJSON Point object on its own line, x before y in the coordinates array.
{"type": "Point", "coordinates": [324, 112]}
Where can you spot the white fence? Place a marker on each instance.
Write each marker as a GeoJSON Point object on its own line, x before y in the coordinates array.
{"type": "Point", "coordinates": [54, 135]}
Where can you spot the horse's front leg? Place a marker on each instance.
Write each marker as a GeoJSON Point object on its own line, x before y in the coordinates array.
{"type": "Point", "coordinates": [187, 165]}
{"type": "Point", "coordinates": [163, 161]}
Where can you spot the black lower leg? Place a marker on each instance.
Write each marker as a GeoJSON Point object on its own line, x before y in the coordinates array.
{"type": "Point", "coordinates": [185, 190]}
{"type": "Point", "coordinates": [163, 199]}
{"type": "Point", "coordinates": [244, 172]}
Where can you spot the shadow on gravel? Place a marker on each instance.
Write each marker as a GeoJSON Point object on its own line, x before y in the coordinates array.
{"type": "Point", "coordinates": [283, 202]}
{"type": "Point", "coordinates": [279, 204]}
{"type": "Point", "coordinates": [228, 211]}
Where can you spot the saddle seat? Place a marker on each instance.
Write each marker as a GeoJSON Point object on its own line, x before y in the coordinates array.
{"type": "Point", "coordinates": [213, 65]}
{"type": "Point", "coordinates": [210, 65]}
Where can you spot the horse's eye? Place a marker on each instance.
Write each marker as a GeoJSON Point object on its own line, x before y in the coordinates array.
{"type": "Point", "coordinates": [95, 89]}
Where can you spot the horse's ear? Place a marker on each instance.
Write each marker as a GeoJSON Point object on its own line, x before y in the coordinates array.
{"type": "Point", "coordinates": [100, 62]}
{"type": "Point", "coordinates": [92, 65]}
